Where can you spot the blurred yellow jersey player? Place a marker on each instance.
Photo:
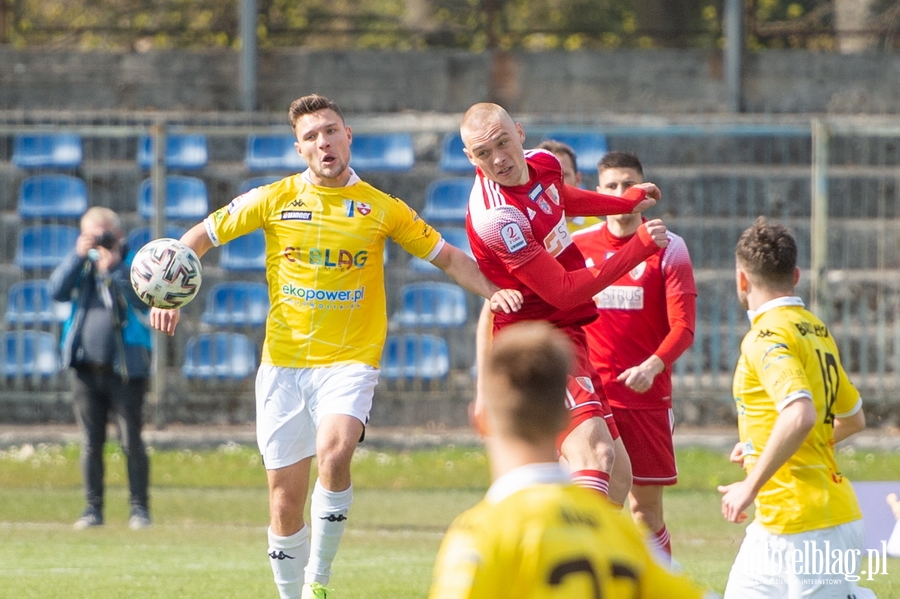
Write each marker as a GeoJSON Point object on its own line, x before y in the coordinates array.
{"type": "Point", "coordinates": [536, 535]}
{"type": "Point", "coordinates": [788, 354]}
{"type": "Point", "coordinates": [324, 264]}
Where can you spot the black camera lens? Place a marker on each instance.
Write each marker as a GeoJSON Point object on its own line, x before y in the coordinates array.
{"type": "Point", "coordinates": [108, 240]}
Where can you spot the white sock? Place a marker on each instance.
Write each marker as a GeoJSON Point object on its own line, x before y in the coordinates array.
{"type": "Point", "coordinates": [327, 519]}
{"type": "Point", "coordinates": [288, 556]}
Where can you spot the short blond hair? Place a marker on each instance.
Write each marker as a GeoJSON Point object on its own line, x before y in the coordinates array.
{"type": "Point", "coordinates": [525, 379]}
{"type": "Point", "coordinates": [104, 216]}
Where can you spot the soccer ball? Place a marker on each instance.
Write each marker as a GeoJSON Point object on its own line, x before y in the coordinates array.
{"type": "Point", "coordinates": [165, 273]}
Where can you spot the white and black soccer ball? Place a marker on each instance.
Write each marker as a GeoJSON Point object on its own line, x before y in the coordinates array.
{"type": "Point", "coordinates": [166, 273]}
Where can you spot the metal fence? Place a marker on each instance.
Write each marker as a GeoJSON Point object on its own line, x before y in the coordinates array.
{"type": "Point", "coordinates": [834, 181]}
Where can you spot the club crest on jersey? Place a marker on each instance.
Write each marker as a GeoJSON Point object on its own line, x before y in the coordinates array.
{"type": "Point", "coordinates": [545, 207]}
{"type": "Point", "coordinates": [553, 194]}
{"type": "Point", "coordinates": [585, 383]}
{"type": "Point", "coordinates": [513, 237]}
{"type": "Point", "coordinates": [535, 192]}
{"type": "Point", "coordinates": [363, 208]}
{"type": "Point", "coordinates": [531, 214]}
{"type": "Point", "coordinates": [638, 271]}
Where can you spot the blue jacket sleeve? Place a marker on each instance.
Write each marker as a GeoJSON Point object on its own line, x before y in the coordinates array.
{"type": "Point", "coordinates": [64, 279]}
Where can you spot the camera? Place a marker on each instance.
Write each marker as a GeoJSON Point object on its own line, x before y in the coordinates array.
{"type": "Point", "coordinates": [108, 240]}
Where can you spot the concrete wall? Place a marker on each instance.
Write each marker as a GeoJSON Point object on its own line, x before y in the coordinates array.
{"type": "Point", "coordinates": [444, 81]}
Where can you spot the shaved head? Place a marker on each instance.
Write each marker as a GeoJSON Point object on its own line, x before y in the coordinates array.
{"type": "Point", "coordinates": [482, 115]}
{"type": "Point", "coordinates": [493, 143]}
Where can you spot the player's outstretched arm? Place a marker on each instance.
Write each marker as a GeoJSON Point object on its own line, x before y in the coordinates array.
{"type": "Point", "coordinates": [584, 202]}
{"type": "Point", "coordinates": [198, 240]}
{"type": "Point", "coordinates": [568, 289]}
{"type": "Point", "coordinates": [462, 269]}
{"type": "Point", "coordinates": [791, 428]}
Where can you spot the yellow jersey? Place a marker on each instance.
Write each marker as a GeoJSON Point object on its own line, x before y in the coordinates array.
{"type": "Point", "coordinates": [789, 354]}
{"type": "Point", "coordinates": [324, 265]}
{"type": "Point", "coordinates": [536, 535]}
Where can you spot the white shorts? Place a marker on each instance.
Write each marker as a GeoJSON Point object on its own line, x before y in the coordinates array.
{"type": "Point", "coordinates": [821, 563]}
{"type": "Point", "coordinates": [290, 403]}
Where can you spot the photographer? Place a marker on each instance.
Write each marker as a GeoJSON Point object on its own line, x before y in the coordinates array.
{"type": "Point", "coordinates": [106, 342]}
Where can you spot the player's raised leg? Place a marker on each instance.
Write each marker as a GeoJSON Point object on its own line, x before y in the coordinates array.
{"type": "Point", "coordinates": [588, 449]}
{"type": "Point", "coordinates": [621, 475]}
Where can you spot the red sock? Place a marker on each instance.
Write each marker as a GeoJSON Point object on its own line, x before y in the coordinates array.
{"type": "Point", "coordinates": [663, 540]}
{"type": "Point", "coordinates": [596, 480]}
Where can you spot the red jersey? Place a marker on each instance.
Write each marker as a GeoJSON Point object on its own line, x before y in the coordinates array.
{"type": "Point", "coordinates": [509, 226]}
{"type": "Point", "coordinates": [637, 313]}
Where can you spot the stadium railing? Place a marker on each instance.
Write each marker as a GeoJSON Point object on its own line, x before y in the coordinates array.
{"type": "Point", "coordinates": [835, 182]}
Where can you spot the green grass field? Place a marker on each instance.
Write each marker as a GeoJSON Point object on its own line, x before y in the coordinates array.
{"type": "Point", "coordinates": [210, 515]}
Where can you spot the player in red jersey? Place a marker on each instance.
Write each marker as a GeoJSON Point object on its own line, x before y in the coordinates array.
{"type": "Point", "coordinates": [646, 322]}
{"type": "Point", "coordinates": [517, 229]}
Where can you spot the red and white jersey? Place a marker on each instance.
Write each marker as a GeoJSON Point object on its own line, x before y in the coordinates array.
{"type": "Point", "coordinates": [509, 226]}
{"type": "Point", "coordinates": [634, 314]}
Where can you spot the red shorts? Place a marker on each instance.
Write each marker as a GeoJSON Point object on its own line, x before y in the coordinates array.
{"type": "Point", "coordinates": [584, 392]}
{"type": "Point", "coordinates": [647, 435]}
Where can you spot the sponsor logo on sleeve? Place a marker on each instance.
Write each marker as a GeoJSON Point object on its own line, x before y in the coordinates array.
{"type": "Point", "coordinates": [513, 237]}
{"type": "Point", "coordinates": [238, 202]}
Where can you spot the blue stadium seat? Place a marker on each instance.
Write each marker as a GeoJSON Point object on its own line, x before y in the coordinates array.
{"type": "Point", "coordinates": [30, 354]}
{"type": "Point", "coordinates": [246, 253]}
{"type": "Point", "coordinates": [589, 147]}
{"type": "Point", "coordinates": [273, 152]}
{"type": "Point", "coordinates": [429, 304]}
{"type": "Point", "coordinates": [382, 152]}
{"type": "Point", "coordinates": [254, 182]}
{"type": "Point", "coordinates": [186, 198]}
{"type": "Point", "coordinates": [447, 200]}
{"type": "Point", "coordinates": [219, 356]}
{"type": "Point", "coordinates": [52, 196]}
{"type": "Point", "coordinates": [455, 236]}
{"type": "Point", "coordinates": [237, 304]}
{"type": "Point", "coordinates": [411, 356]}
{"type": "Point", "coordinates": [139, 237]}
{"type": "Point", "coordinates": [29, 303]}
{"type": "Point", "coordinates": [44, 246]}
{"type": "Point", "coordinates": [47, 150]}
{"type": "Point", "coordinates": [453, 160]}
{"type": "Point", "coordinates": [183, 151]}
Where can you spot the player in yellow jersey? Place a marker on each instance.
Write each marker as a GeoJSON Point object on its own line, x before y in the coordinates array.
{"type": "Point", "coordinates": [536, 534]}
{"type": "Point", "coordinates": [794, 401]}
{"type": "Point", "coordinates": [325, 231]}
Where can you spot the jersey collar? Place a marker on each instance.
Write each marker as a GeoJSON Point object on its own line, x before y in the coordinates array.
{"type": "Point", "coordinates": [526, 476]}
{"type": "Point", "coordinates": [354, 178]}
{"type": "Point", "coordinates": [778, 302]}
